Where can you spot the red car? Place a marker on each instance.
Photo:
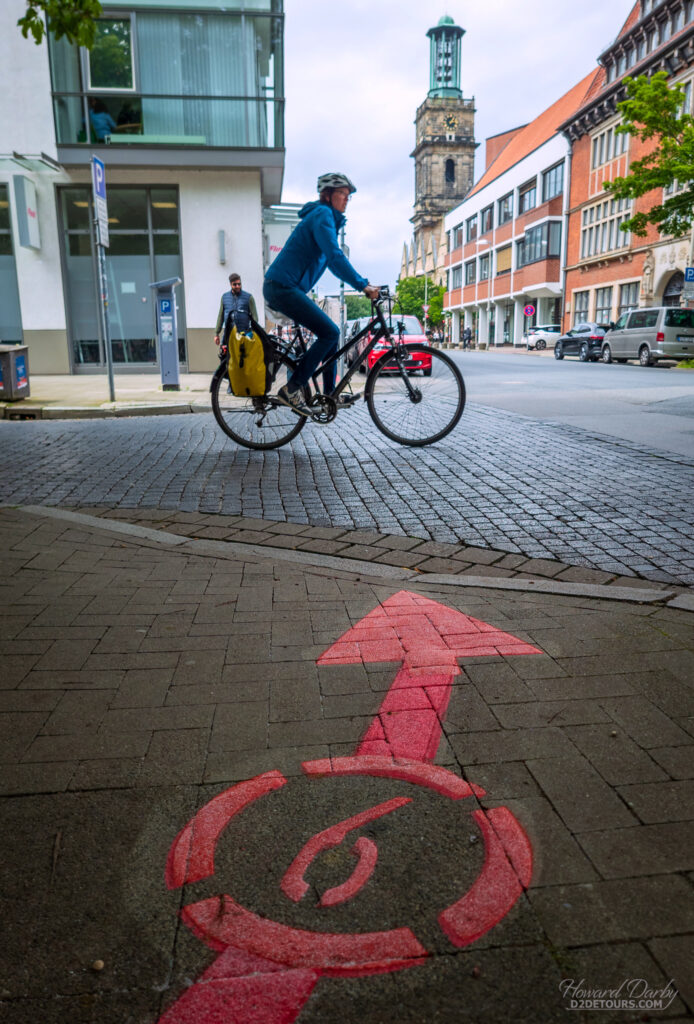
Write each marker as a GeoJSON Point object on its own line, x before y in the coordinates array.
{"type": "Point", "coordinates": [412, 332]}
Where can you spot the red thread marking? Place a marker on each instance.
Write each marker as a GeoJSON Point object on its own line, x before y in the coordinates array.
{"type": "Point", "coordinates": [506, 872]}
{"type": "Point", "coordinates": [191, 856]}
{"type": "Point", "coordinates": [367, 852]}
{"type": "Point", "coordinates": [293, 884]}
{"type": "Point", "coordinates": [221, 922]}
{"type": "Point", "coordinates": [417, 772]}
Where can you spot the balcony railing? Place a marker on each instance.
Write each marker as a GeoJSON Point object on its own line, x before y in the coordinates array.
{"type": "Point", "coordinates": [146, 120]}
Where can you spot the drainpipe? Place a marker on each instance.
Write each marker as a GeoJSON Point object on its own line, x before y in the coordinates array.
{"type": "Point", "coordinates": [565, 246]}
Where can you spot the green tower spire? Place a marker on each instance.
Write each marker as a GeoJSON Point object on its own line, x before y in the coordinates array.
{"type": "Point", "coordinates": [444, 60]}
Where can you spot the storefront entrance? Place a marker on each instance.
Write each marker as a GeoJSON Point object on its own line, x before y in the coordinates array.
{"type": "Point", "coordinates": [144, 247]}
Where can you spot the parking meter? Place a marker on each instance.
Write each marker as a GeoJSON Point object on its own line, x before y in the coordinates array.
{"type": "Point", "coordinates": [168, 332]}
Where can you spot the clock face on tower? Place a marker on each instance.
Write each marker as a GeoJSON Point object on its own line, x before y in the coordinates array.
{"type": "Point", "coordinates": [451, 122]}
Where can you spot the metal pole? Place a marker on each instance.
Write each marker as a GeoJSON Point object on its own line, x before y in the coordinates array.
{"type": "Point", "coordinates": [341, 360]}
{"type": "Point", "coordinates": [103, 308]}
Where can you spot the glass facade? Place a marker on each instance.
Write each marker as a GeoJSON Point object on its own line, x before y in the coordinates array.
{"type": "Point", "coordinates": [10, 314]}
{"type": "Point", "coordinates": [175, 78]}
{"type": "Point", "coordinates": [144, 246]}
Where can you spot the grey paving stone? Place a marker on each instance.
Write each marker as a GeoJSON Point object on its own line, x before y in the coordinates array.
{"type": "Point", "coordinates": [551, 712]}
{"type": "Point", "coordinates": [644, 850]}
{"type": "Point", "coordinates": [580, 796]}
{"type": "Point", "coordinates": [515, 745]}
{"type": "Point", "coordinates": [88, 746]}
{"type": "Point", "coordinates": [618, 759]}
{"type": "Point", "coordinates": [674, 954]}
{"type": "Point", "coordinates": [318, 731]}
{"type": "Point", "coordinates": [240, 727]}
{"type": "Point", "coordinates": [660, 801]}
{"type": "Point", "coordinates": [294, 700]}
{"type": "Point", "coordinates": [646, 725]}
{"type": "Point", "coordinates": [228, 766]}
{"type": "Point", "coordinates": [678, 762]}
{"type": "Point", "coordinates": [23, 779]}
{"type": "Point", "coordinates": [614, 910]}
{"type": "Point", "coordinates": [78, 712]}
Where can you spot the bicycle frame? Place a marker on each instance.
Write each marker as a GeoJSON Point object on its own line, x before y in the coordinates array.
{"type": "Point", "coordinates": [383, 331]}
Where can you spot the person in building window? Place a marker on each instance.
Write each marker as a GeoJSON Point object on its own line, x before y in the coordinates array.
{"type": "Point", "coordinates": [101, 121]}
{"type": "Point", "coordinates": [311, 248]}
{"type": "Point", "coordinates": [235, 309]}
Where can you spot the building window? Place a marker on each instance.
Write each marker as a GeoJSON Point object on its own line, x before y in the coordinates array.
{"type": "Point", "coordinates": [450, 172]}
{"type": "Point", "coordinates": [503, 260]}
{"type": "Point", "coordinates": [609, 72]}
{"type": "Point", "coordinates": [131, 85]}
{"type": "Point", "coordinates": [470, 272]}
{"type": "Point", "coordinates": [110, 60]}
{"type": "Point", "coordinates": [527, 196]}
{"type": "Point", "coordinates": [540, 243]}
{"type": "Point", "coordinates": [484, 267]}
{"type": "Point", "coordinates": [640, 48]}
{"type": "Point", "coordinates": [505, 209]}
{"type": "Point", "coordinates": [603, 305]}
{"type": "Point", "coordinates": [628, 297]}
{"type": "Point", "coordinates": [457, 239]}
{"type": "Point", "coordinates": [608, 145]}
{"type": "Point", "coordinates": [677, 20]}
{"type": "Point", "coordinates": [471, 228]}
{"type": "Point", "coordinates": [581, 303]}
{"type": "Point", "coordinates": [601, 227]}
{"type": "Point", "coordinates": [663, 31]}
{"type": "Point", "coordinates": [487, 216]}
{"type": "Point", "coordinates": [457, 277]}
{"type": "Point", "coordinates": [553, 182]}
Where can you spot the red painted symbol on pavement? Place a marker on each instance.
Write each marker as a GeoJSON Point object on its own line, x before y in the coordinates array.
{"type": "Point", "coordinates": [267, 970]}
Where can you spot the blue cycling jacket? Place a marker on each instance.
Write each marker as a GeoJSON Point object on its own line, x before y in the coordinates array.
{"type": "Point", "coordinates": [311, 247]}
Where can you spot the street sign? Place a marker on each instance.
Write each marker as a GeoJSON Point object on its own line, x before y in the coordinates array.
{"type": "Point", "coordinates": [529, 310]}
{"type": "Point", "coordinates": [267, 969]}
{"type": "Point", "coordinates": [689, 274]}
{"type": "Point", "coordinates": [425, 307]}
{"type": "Point", "coordinates": [100, 207]}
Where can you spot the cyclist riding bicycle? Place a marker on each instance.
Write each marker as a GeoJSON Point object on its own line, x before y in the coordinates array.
{"type": "Point", "coordinates": [311, 248]}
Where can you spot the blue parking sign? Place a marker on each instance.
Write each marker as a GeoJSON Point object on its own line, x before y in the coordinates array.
{"type": "Point", "coordinates": [165, 306]}
{"type": "Point", "coordinates": [689, 274]}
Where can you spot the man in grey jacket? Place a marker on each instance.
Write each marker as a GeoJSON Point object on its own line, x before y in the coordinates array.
{"type": "Point", "coordinates": [240, 304]}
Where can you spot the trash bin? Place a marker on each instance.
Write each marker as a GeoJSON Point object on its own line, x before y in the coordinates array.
{"type": "Point", "coordinates": [14, 373]}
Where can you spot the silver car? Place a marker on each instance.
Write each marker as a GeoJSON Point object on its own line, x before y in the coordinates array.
{"type": "Point", "coordinates": [658, 332]}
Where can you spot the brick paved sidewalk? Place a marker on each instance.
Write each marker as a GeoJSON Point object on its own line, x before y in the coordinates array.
{"type": "Point", "coordinates": [139, 680]}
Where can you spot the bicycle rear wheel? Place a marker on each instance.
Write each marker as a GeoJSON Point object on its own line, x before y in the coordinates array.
{"type": "Point", "coordinates": [255, 422]}
{"type": "Point", "coordinates": [417, 411]}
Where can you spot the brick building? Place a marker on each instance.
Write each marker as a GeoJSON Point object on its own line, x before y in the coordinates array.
{"type": "Point", "coordinates": [506, 239]}
{"type": "Point", "coordinates": [609, 271]}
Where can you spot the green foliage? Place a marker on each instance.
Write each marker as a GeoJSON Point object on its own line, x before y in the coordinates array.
{"type": "Point", "coordinates": [74, 19]}
{"type": "Point", "coordinates": [653, 111]}
{"type": "Point", "coordinates": [110, 61]}
{"type": "Point", "coordinates": [410, 296]}
{"type": "Point", "coordinates": [356, 306]}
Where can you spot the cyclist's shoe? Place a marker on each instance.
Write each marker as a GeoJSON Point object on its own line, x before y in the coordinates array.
{"type": "Point", "coordinates": [344, 401]}
{"type": "Point", "coordinates": [294, 399]}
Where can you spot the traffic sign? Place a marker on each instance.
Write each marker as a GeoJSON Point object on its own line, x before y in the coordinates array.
{"type": "Point", "coordinates": [529, 310]}
{"type": "Point", "coordinates": [425, 307]}
{"type": "Point", "coordinates": [689, 274]}
{"type": "Point", "coordinates": [267, 969]}
{"type": "Point", "coordinates": [100, 207]}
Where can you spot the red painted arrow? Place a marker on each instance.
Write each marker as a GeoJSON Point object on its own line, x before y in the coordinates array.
{"type": "Point", "coordinates": [428, 638]}
{"type": "Point", "coordinates": [247, 986]}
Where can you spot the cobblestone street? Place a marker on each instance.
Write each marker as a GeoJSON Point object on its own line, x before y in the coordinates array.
{"type": "Point", "coordinates": [502, 480]}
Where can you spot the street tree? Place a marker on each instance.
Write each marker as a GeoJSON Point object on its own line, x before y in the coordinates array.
{"type": "Point", "coordinates": [356, 306]}
{"type": "Point", "coordinates": [654, 112]}
{"type": "Point", "coordinates": [74, 19]}
{"type": "Point", "coordinates": [410, 293]}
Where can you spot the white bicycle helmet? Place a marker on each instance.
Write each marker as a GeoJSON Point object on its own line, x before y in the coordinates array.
{"type": "Point", "coordinates": [333, 179]}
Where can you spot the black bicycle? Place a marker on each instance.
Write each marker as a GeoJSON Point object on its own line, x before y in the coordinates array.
{"type": "Point", "coordinates": [410, 412]}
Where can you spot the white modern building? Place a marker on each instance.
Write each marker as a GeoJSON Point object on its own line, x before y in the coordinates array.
{"type": "Point", "coordinates": [506, 240]}
{"type": "Point", "coordinates": [184, 104]}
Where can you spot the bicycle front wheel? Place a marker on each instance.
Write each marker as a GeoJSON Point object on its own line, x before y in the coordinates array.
{"type": "Point", "coordinates": [415, 410]}
{"type": "Point", "coordinates": [255, 422]}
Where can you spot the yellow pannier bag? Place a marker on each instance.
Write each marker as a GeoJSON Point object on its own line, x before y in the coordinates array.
{"type": "Point", "coordinates": [248, 369]}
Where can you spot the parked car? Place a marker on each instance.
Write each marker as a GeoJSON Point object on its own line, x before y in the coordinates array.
{"type": "Point", "coordinates": [541, 337]}
{"type": "Point", "coordinates": [658, 332]}
{"type": "Point", "coordinates": [411, 332]}
{"type": "Point", "coordinates": [583, 340]}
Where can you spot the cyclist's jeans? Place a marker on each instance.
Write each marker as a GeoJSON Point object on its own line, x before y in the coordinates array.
{"type": "Point", "coordinates": [295, 304]}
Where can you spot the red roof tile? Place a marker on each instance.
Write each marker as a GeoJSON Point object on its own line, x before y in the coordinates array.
{"type": "Point", "coordinates": [539, 131]}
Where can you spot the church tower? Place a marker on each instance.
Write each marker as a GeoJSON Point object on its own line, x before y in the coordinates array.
{"type": "Point", "coordinates": [444, 152]}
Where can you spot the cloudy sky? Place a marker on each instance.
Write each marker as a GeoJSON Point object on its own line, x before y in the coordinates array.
{"type": "Point", "coordinates": [356, 71]}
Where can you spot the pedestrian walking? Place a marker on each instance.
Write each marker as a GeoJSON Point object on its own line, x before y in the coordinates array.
{"type": "Point", "coordinates": [467, 338]}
